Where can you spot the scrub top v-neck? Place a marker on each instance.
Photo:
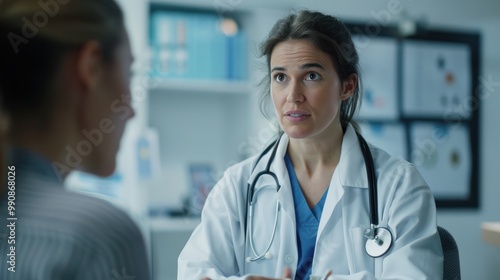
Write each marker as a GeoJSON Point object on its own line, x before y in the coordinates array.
{"type": "Point", "coordinates": [307, 221]}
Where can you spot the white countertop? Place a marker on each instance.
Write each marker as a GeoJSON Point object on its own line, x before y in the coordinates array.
{"type": "Point", "coordinates": [491, 232]}
{"type": "Point", "coordinates": [169, 224]}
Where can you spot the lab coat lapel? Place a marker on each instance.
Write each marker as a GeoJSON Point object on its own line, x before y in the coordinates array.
{"type": "Point", "coordinates": [285, 195]}
{"type": "Point", "coordinates": [355, 205]}
{"type": "Point", "coordinates": [335, 193]}
{"type": "Point", "coordinates": [350, 173]}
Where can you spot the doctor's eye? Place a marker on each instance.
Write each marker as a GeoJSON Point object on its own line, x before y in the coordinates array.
{"type": "Point", "coordinates": [313, 76]}
{"type": "Point", "coordinates": [279, 77]}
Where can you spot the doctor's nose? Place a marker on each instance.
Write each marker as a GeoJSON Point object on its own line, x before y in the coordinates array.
{"type": "Point", "coordinates": [295, 93]}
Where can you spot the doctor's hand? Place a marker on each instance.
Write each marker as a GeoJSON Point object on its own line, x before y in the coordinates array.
{"type": "Point", "coordinates": [287, 276]}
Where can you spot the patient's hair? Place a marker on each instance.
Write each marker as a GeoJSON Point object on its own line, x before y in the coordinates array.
{"type": "Point", "coordinates": [36, 35]}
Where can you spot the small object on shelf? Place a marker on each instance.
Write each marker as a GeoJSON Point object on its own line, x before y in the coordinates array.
{"type": "Point", "coordinates": [202, 182]}
{"type": "Point", "coordinates": [197, 45]}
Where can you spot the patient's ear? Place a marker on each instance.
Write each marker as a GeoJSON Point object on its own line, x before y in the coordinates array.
{"type": "Point", "coordinates": [89, 65]}
{"type": "Point", "coordinates": [89, 72]}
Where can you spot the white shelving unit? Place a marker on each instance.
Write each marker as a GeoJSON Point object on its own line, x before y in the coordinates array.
{"type": "Point", "coordinates": [206, 121]}
{"type": "Point", "coordinates": [196, 120]}
{"type": "Point", "coordinates": [205, 87]}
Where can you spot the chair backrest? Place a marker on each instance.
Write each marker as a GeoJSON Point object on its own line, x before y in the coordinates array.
{"type": "Point", "coordinates": [451, 257]}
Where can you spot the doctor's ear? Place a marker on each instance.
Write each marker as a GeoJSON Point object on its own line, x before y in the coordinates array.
{"type": "Point", "coordinates": [349, 86]}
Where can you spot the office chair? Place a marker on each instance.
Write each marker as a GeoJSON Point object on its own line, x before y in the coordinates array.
{"type": "Point", "coordinates": [450, 253]}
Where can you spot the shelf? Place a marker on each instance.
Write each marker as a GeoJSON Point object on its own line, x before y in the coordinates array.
{"type": "Point", "coordinates": [225, 6]}
{"type": "Point", "coordinates": [185, 3]}
{"type": "Point", "coordinates": [491, 232]}
{"type": "Point", "coordinates": [201, 86]}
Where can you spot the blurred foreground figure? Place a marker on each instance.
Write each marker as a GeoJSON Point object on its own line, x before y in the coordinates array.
{"type": "Point", "coordinates": [64, 76]}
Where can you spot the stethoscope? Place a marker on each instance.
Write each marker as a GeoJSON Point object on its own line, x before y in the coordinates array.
{"type": "Point", "coordinates": [379, 239]}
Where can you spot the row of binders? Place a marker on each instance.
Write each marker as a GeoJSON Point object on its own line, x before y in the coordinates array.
{"type": "Point", "coordinates": [195, 45]}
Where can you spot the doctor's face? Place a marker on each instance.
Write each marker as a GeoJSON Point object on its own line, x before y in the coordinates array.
{"type": "Point", "coordinates": [306, 90]}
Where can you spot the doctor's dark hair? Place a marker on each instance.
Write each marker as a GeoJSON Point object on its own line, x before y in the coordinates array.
{"type": "Point", "coordinates": [36, 36]}
{"type": "Point", "coordinates": [329, 35]}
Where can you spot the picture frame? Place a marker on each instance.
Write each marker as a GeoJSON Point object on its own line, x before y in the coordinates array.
{"type": "Point", "coordinates": [450, 61]}
{"type": "Point", "coordinates": [201, 177]}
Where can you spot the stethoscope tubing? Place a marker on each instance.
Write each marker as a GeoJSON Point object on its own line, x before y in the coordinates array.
{"type": "Point", "coordinates": [372, 180]}
{"type": "Point", "coordinates": [250, 202]}
{"type": "Point", "coordinates": [377, 251]}
{"type": "Point", "coordinates": [251, 187]}
{"type": "Point", "coordinates": [262, 255]}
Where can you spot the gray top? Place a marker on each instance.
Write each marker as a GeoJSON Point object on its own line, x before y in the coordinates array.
{"type": "Point", "coordinates": [64, 235]}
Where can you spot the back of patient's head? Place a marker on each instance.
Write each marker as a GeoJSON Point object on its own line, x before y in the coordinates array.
{"type": "Point", "coordinates": [3, 124]}
{"type": "Point", "coordinates": [35, 36]}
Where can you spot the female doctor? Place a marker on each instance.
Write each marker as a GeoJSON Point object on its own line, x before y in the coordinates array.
{"type": "Point", "coordinates": [314, 219]}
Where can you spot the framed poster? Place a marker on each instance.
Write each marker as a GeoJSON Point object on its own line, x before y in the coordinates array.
{"type": "Point", "coordinates": [391, 137]}
{"type": "Point", "coordinates": [428, 82]}
{"type": "Point", "coordinates": [202, 181]}
{"type": "Point", "coordinates": [378, 62]}
{"type": "Point", "coordinates": [436, 78]}
{"type": "Point", "coordinates": [442, 155]}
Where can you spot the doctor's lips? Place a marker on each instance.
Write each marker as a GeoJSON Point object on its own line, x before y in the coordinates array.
{"type": "Point", "coordinates": [296, 115]}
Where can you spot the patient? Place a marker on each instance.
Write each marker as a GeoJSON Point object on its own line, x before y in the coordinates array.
{"type": "Point", "coordinates": [64, 72]}
{"type": "Point", "coordinates": [3, 127]}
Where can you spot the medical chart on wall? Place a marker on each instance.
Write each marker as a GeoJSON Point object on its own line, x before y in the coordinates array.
{"type": "Point", "coordinates": [442, 155]}
{"type": "Point", "coordinates": [436, 79]}
{"type": "Point", "coordinates": [420, 104]}
{"type": "Point", "coordinates": [389, 137]}
{"type": "Point", "coordinates": [378, 61]}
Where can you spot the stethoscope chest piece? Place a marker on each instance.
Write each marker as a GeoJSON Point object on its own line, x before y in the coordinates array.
{"type": "Point", "coordinates": [378, 242]}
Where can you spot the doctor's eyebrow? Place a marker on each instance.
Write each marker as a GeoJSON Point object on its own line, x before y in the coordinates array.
{"type": "Point", "coordinates": [278, 68]}
{"type": "Point", "coordinates": [312, 65]}
{"type": "Point", "coordinates": [302, 67]}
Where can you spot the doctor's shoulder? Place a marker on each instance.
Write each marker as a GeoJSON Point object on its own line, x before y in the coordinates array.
{"type": "Point", "coordinates": [400, 185]}
{"type": "Point", "coordinates": [241, 171]}
{"type": "Point", "coordinates": [392, 168]}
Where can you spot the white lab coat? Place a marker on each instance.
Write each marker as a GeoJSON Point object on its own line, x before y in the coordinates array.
{"type": "Point", "coordinates": [217, 248]}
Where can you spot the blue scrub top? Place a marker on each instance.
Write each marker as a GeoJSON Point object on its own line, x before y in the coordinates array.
{"type": "Point", "coordinates": [307, 224]}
